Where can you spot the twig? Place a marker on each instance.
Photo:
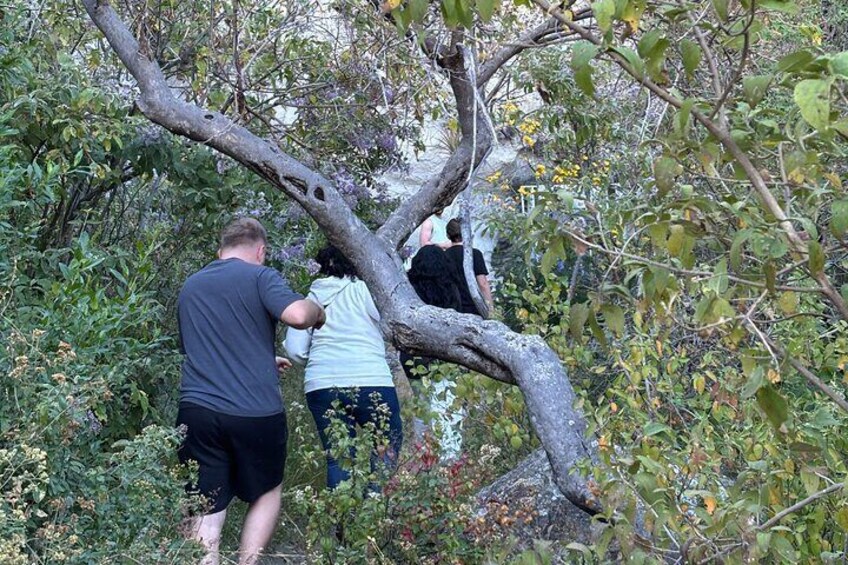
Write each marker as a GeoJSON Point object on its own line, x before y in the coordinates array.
{"type": "Point", "coordinates": [799, 505]}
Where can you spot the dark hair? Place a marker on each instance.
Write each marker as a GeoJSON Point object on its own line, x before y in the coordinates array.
{"type": "Point", "coordinates": [432, 278]}
{"type": "Point", "coordinates": [454, 230]}
{"type": "Point", "coordinates": [334, 264]}
{"type": "Point", "coordinates": [242, 232]}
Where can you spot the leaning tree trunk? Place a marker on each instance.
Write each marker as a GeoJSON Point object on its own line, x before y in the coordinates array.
{"type": "Point", "coordinates": [488, 347]}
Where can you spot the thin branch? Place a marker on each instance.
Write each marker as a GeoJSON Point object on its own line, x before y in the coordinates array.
{"type": "Point", "coordinates": [743, 60]}
{"type": "Point", "coordinates": [808, 374]}
{"type": "Point", "coordinates": [799, 505]}
{"type": "Point", "coordinates": [686, 272]}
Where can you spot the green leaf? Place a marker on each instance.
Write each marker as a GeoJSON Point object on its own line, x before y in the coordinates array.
{"type": "Point", "coordinates": [755, 87]}
{"type": "Point", "coordinates": [691, 52]}
{"type": "Point", "coordinates": [773, 404]}
{"type": "Point", "coordinates": [795, 61]}
{"type": "Point", "coordinates": [655, 428]}
{"type": "Point", "coordinates": [718, 283]}
{"type": "Point", "coordinates": [583, 79]}
{"type": "Point", "coordinates": [720, 7]}
{"type": "Point", "coordinates": [487, 9]}
{"type": "Point", "coordinates": [736, 248]}
{"type": "Point", "coordinates": [604, 11]}
{"type": "Point", "coordinates": [632, 58]}
{"type": "Point", "coordinates": [614, 317]}
{"type": "Point", "coordinates": [815, 262]}
{"type": "Point", "coordinates": [450, 13]}
{"type": "Point", "coordinates": [666, 170]}
{"type": "Point", "coordinates": [842, 518]}
{"type": "Point", "coordinates": [577, 316]}
{"type": "Point", "coordinates": [554, 253]}
{"type": "Point", "coordinates": [770, 272]}
{"type": "Point", "coordinates": [839, 64]}
{"type": "Point", "coordinates": [682, 118]}
{"type": "Point", "coordinates": [466, 16]}
{"type": "Point", "coordinates": [788, 302]}
{"type": "Point", "coordinates": [658, 233]}
{"type": "Point", "coordinates": [755, 381]}
{"type": "Point", "coordinates": [649, 42]}
{"type": "Point", "coordinates": [596, 329]}
{"type": "Point", "coordinates": [813, 98]}
{"type": "Point", "coordinates": [582, 53]}
{"type": "Point", "coordinates": [674, 244]}
{"type": "Point", "coordinates": [811, 481]}
{"type": "Point", "coordinates": [787, 6]}
{"type": "Point", "coordinates": [417, 9]}
{"type": "Point", "coordinates": [402, 20]}
{"type": "Point", "coordinates": [839, 218]}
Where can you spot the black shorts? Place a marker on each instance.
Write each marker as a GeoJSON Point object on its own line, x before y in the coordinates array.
{"type": "Point", "coordinates": [236, 455]}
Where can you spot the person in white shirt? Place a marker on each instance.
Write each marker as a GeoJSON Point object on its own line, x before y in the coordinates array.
{"type": "Point", "coordinates": [346, 362]}
{"type": "Point", "coordinates": [434, 231]}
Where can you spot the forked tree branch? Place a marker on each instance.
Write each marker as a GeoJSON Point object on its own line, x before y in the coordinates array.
{"type": "Point", "coordinates": [488, 346]}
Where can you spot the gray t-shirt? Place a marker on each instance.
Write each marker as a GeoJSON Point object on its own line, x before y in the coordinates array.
{"type": "Point", "coordinates": [228, 313]}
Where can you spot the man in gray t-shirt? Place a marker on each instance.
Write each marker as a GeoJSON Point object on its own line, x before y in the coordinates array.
{"type": "Point", "coordinates": [230, 397]}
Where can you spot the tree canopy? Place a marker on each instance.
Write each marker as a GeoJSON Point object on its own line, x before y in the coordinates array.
{"type": "Point", "coordinates": [672, 302]}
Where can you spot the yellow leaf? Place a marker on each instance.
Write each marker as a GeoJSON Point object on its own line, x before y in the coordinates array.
{"type": "Point", "coordinates": [796, 176]}
{"type": "Point", "coordinates": [834, 179]}
{"type": "Point", "coordinates": [699, 383]}
{"type": "Point", "coordinates": [774, 496]}
{"type": "Point", "coordinates": [710, 503]}
{"type": "Point", "coordinates": [789, 466]}
{"type": "Point", "coordinates": [659, 347]}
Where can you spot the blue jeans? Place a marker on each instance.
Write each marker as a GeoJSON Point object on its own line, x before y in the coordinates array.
{"type": "Point", "coordinates": [357, 406]}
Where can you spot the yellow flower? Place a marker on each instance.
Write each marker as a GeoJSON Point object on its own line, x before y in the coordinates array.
{"type": "Point", "coordinates": [528, 141]}
{"type": "Point", "coordinates": [540, 170]}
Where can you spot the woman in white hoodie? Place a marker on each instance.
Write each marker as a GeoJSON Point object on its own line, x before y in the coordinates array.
{"type": "Point", "coordinates": [346, 362]}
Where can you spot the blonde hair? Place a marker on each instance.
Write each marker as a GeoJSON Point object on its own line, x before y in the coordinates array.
{"type": "Point", "coordinates": [242, 232]}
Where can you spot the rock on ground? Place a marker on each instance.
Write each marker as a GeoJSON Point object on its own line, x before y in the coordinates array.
{"type": "Point", "coordinates": [527, 505]}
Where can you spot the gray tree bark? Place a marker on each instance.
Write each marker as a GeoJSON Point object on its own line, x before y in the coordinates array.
{"type": "Point", "coordinates": [488, 347]}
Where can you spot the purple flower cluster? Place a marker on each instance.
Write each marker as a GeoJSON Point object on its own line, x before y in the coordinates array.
{"type": "Point", "coordinates": [387, 142]}
{"type": "Point", "coordinates": [280, 221]}
{"type": "Point", "coordinates": [256, 206]}
{"type": "Point", "coordinates": [312, 267]}
{"type": "Point", "coordinates": [292, 252]}
{"type": "Point", "coordinates": [346, 184]}
{"type": "Point", "coordinates": [94, 424]}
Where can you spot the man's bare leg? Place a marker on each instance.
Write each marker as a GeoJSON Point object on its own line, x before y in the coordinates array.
{"type": "Point", "coordinates": [207, 531]}
{"type": "Point", "coordinates": [259, 525]}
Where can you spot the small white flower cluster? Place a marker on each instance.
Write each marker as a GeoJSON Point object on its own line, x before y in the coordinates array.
{"type": "Point", "coordinates": [489, 454]}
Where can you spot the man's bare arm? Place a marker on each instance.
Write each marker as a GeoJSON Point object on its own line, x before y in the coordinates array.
{"type": "Point", "coordinates": [426, 233]}
{"type": "Point", "coordinates": [303, 314]}
{"type": "Point", "coordinates": [485, 290]}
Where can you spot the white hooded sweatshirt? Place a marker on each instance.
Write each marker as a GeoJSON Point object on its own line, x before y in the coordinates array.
{"type": "Point", "coordinates": [348, 350]}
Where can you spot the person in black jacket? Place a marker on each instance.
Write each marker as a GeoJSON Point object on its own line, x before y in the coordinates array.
{"type": "Point", "coordinates": [432, 280]}
{"type": "Point", "coordinates": [454, 255]}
